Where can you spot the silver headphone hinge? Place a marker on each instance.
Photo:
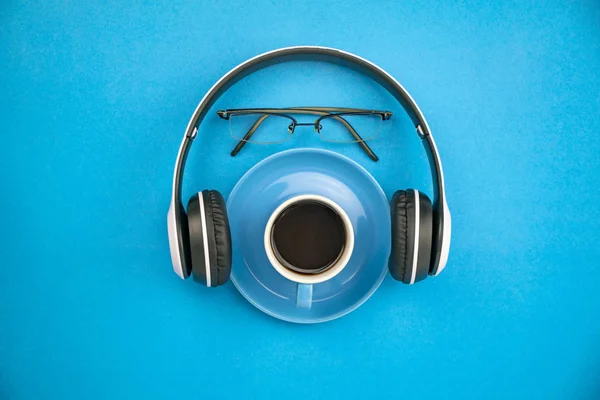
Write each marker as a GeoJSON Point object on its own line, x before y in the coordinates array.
{"type": "Point", "coordinates": [194, 133]}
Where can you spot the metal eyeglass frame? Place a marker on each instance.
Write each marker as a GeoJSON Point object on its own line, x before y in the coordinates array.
{"type": "Point", "coordinates": [324, 112]}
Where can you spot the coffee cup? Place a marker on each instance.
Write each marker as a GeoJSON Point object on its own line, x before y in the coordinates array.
{"type": "Point", "coordinates": [308, 239]}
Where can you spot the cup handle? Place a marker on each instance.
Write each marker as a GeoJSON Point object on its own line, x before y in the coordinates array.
{"type": "Point", "coordinates": [304, 294]}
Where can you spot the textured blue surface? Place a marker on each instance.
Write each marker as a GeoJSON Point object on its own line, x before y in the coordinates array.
{"type": "Point", "coordinates": [94, 100]}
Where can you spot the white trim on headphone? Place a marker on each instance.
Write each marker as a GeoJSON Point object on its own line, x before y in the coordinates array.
{"type": "Point", "coordinates": [445, 250]}
{"type": "Point", "coordinates": [413, 273]}
{"type": "Point", "coordinates": [174, 242]}
{"type": "Point", "coordinates": [447, 230]}
{"type": "Point", "coordinates": [205, 239]}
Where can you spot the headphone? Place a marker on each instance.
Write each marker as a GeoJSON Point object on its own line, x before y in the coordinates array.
{"type": "Point", "coordinates": [200, 241]}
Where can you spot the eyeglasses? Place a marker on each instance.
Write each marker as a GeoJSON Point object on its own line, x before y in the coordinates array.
{"type": "Point", "coordinates": [335, 124]}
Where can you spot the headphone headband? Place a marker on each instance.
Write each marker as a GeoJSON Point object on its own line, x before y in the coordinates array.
{"type": "Point", "coordinates": [177, 221]}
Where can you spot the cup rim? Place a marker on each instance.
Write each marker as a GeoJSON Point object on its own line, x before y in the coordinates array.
{"type": "Point", "coordinates": [329, 273]}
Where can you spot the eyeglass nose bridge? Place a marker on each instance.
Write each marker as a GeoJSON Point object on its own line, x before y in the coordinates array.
{"type": "Point", "coordinates": [316, 126]}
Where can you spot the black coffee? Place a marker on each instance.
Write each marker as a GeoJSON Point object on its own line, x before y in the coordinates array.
{"type": "Point", "coordinates": [308, 237]}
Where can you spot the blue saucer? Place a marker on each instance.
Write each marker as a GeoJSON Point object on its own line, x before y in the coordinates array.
{"type": "Point", "coordinates": [308, 171]}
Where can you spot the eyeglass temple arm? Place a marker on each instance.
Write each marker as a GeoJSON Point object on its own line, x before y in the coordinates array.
{"type": "Point", "coordinates": [248, 135]}
{"type": "Point", "coordinates": [306, 110]}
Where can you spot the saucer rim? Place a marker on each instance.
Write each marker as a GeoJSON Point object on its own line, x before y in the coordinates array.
{"type": "Point", "coordinates": [368, 294]}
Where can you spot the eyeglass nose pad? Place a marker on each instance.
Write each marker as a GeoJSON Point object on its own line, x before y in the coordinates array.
{"type": "Point", "coordinates": [318, 128]}
{"type": "Point", "coordinates": [291, 128]}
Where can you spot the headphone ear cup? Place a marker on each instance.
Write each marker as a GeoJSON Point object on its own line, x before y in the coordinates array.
{"type": "Point", "coordinates": [210, 238]}
{"type": "Point", "coordinates": [412, 221]}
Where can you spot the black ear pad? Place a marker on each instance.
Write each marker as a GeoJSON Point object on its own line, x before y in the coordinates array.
{"type": "Point", "coordinates": [210, 238]}
{"type": "Point", "coordinates": [410, 210]}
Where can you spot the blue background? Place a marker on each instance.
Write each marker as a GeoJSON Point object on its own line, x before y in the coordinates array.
{"type": "Point", "coordinates": [94, 101]}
